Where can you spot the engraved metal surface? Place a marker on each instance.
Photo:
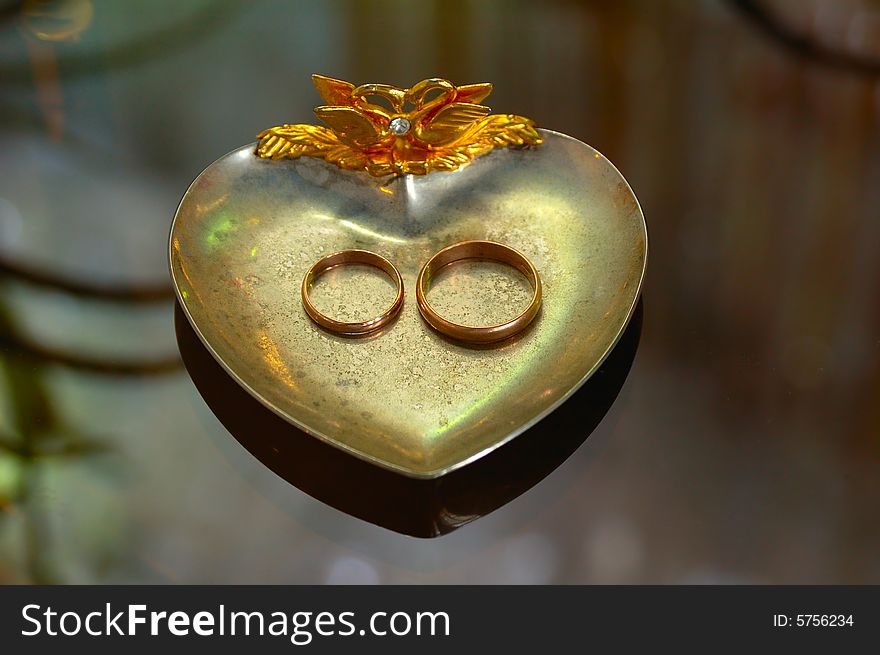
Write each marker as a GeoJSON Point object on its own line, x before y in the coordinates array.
{"type": "Point", "coordinates": [407, 399]}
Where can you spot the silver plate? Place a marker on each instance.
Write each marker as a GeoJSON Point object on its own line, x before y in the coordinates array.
{"type": "Point", "coordinates": [409, 400]}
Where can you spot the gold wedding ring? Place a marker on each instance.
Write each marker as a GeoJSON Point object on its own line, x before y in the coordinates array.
{"type": "Point", "coordinates": [343, 258]}
{"type": "Point", "coordinates": [486, 251]}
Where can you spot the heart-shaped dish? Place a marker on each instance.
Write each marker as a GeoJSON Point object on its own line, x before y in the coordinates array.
{"type": "Point", "coordinates": [409, 400]}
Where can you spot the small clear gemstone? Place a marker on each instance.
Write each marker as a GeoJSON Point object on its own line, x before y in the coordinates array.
{"type": "Point", "coordinates": [399, 125]}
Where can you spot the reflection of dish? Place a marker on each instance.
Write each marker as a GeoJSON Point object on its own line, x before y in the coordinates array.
{"type": "Point", "coordinates": [421, 508]}
{"type": "Point", "coordinates": [408, 400]}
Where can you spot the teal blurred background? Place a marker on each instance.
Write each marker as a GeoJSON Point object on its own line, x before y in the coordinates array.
{"type": "Point", "coordinates": [745, 445]}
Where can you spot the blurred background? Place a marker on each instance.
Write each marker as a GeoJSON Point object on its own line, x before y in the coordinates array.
{"type": "Point", "coordinates": [745, 444]}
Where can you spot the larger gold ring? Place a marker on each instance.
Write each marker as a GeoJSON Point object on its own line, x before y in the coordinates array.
{"type": "Point", "coordinates": [487, 251]}
{"type": "Point", "coordinates": [342, 258]}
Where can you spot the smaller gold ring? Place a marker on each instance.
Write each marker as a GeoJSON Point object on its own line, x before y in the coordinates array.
{"type": "Point", "coordinates": [486, 251]}
{"type": "Point", "coordinates": [343, 258]}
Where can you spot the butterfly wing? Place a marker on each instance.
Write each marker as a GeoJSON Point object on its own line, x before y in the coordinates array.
{"type": "Point", "coordinates": [451, 123]}
{"type": "Point", "coordinates": [333, 91]}
{"type": "Point", "coordinates": [351, 126]}
{"type": "Point", "coordinates": [473, 93]}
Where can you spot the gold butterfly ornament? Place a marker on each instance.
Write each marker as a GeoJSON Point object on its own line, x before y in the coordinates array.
{"type": "Point", "coordinates": [386, 130]}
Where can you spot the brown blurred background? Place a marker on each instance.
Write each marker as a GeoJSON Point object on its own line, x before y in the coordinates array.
{"type": "Point", "coordinates": [745, 445]}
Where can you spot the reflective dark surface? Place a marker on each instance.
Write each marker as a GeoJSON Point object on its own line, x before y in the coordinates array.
{"type": "Point", "coordinates": [421, 508]}
{"type": "Point", "coordinates": [744, 445]}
